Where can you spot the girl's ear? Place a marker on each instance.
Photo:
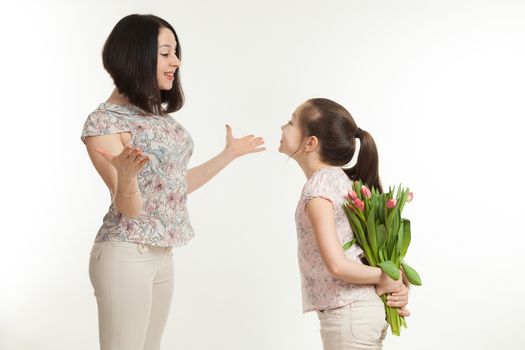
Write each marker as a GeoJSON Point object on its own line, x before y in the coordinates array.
{"type": "Point", "coordinates": [311, 144]}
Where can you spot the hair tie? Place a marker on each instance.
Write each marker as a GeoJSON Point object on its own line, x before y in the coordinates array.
{"type": "Point", "coordinates": [358, 133]}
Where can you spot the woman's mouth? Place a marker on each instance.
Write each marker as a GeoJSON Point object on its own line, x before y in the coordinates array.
{"type": "Point", "coordinates": [169, 75]}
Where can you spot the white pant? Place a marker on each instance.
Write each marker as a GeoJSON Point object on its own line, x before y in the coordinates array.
{"type": "Point", "coordinates": [360, 325]}
{"type": "Point", "coordinates": [133, 285]}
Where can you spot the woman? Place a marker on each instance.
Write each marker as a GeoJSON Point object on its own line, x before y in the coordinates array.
{"type": "Point", "coordinates": [142, 153]}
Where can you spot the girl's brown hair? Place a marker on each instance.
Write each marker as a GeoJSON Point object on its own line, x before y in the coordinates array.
{"type": "Point", "coordinates": [337, 131]}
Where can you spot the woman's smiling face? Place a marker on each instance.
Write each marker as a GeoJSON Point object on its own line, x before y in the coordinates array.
{"type": "Point", "coordinates": [167, 61]}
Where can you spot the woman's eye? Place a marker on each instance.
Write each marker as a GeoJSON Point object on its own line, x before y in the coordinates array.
{"type": "Point", "coordinates": [289, 122]}
{"type": "Point", "coordinates": [164, 54]}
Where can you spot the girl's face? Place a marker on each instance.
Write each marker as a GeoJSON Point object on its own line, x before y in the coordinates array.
{"type": "Point", "coordinates": [291, 134]}
{"type": "Point", "coordinates": [167, 61]}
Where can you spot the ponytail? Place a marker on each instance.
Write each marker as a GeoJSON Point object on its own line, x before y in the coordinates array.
{"type": "Point", "coordinates": [367, 167]}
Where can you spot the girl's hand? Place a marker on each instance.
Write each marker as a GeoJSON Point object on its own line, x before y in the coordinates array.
{"type": "Point", "coordinates": [388, 285]}
{"type": "Point", "coordinates": [128, 163]}
{"type": "Point", "coordinates": [398, 293]}
{"type": "Point", "coordinates": [403, 312]}
{"type": "Point", "coordinates": [399, 300]}
{"type": "Point", "coordinates": [244, 145]}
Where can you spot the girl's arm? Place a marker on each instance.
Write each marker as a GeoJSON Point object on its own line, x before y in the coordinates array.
{"type": "Point", "coordinates": [321, 215]}
{"type": "Point", "coordinates": [235, 148]}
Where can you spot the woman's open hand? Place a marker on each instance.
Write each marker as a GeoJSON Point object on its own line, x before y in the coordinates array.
{"type": "Point", "coordinates": [244, 145]}
{"type": "Point", "coordinates": [128, 163]}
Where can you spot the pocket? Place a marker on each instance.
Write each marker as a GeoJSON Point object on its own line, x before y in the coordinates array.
{"type": "Point", "coordinates": [96, 250]}
{"type": "Point", "coordinates": [330, 313]}
{"type": "Point", "coordinates": [367, 319]}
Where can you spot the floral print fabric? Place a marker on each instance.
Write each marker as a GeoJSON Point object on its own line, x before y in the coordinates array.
{"type": "Point", "coordinates": [164, 219]}
{"type": "Point", "coordinates": [320, 290]}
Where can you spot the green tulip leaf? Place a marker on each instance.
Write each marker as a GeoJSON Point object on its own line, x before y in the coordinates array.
{"type": "Point", "coordinates": [412, 275]}
{"type": "Point", "coordinates": [347, 245]}
{"type": "Point", "coordinates": [361, 239]}
{"type": "Point", "coordinates": [390, 269]}
{"type": "Point", "coordinates": [381, 236]}
{"type": "Point", "coordinates": [371, 226]}
{"type": "Point", "coordinates": [407, 236]}
{"type": "Point", "coordinates": [399, 244]}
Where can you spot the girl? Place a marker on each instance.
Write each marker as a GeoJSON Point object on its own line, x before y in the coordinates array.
{"type": "Point", "coordinates": [141, 153]}
{"type": "Point", "coordinates": [345, 293]}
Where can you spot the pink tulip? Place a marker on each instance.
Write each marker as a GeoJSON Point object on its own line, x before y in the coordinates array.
{"type": "Point", "coordinates": [410, 196]}
{"type": "Point", "coordinates": [359, 204]}
{"type": "Point", "coordinates": [391, 203]}
{"type": "Point", "coordinates": [352, 195]}
{"type": "Point", "coordinates": [366, 192]}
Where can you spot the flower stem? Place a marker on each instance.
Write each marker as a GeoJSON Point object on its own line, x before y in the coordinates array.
{"type": "Point", "coordinates": [392, 317]}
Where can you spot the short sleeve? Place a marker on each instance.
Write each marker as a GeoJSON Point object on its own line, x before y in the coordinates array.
{"type": "Point", "coordinates": [320, 185]}
{"type": "Point", "coordinates": [101, 123]}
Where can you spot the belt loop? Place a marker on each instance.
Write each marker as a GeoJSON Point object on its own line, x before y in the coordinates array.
{"type": "Point", "coordinates": [142, 248]}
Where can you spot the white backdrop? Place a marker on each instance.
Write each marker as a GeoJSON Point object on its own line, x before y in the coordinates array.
{"type": "Point", "coordinates": [439, 84]}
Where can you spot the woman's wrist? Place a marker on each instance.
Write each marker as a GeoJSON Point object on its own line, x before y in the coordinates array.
{"type": "Point", "coordinates": [127, 194]}
{"type": "Point", "coordinates": [229, 154]}
{"type": "Point", "coordinates": [127, 185]}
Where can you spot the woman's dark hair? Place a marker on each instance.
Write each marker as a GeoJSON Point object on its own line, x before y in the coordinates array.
{"type": "Point", "coordinates": [336, 131]}
{"type": "Point", "coordinates": [130, 57]}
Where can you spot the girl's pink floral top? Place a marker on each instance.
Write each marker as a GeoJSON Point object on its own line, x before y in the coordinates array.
{"type": "Point", "coordinates": [320, 289]}
{"type": "Point", "coordinates": [164, 219]}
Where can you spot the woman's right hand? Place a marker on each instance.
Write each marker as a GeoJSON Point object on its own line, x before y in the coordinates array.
{"type": "Point", "coordinates": [388, 285]}
{"type": "Point", "coordinates": [128, 163]}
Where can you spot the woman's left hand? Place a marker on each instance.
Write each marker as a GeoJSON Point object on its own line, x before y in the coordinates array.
{"type": "Point", "coordinates": [244, 145]}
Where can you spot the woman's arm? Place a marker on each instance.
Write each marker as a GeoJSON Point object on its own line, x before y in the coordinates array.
{"type": "Point", "coordinates": [235, 148]}
{"type": "Point", "coordinates": [203, 173]}
{"type": "Point", "coordinates": [321, 215]}
{"type": "Point", "coordinates": [118, 172]}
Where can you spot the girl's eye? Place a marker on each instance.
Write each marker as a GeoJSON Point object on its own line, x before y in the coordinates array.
{"type": "Point", "coordinates": [164, 54]}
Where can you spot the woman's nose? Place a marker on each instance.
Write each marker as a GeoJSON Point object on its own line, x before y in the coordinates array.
{"type": "Point", "coordinates": [176, 61]}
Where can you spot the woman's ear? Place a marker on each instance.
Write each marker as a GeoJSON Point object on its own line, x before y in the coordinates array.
{"type": "Point", "coordinates": [311, 144]}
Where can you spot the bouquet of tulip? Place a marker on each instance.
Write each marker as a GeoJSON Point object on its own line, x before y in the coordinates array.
{"type": "Point", "coordinates": [383, 235]}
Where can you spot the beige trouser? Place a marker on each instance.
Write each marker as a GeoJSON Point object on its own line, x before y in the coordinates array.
{"type": "Point", "coordinates": [133, 285]}
{"type": "Point", "coordinates": [357, 326]}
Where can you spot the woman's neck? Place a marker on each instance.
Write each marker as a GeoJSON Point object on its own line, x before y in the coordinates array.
{"type": "Point", "coordinates": [117, 98]}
